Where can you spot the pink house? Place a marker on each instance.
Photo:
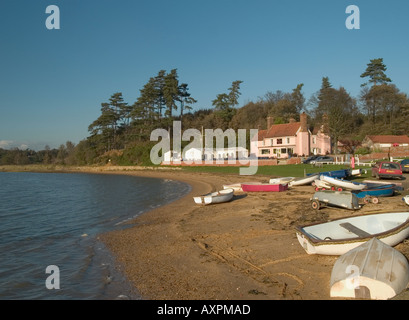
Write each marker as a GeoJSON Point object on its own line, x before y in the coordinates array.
{"type": "Point", "coordinates": [286, 140]}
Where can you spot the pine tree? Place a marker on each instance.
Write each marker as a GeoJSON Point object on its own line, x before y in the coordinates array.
{"type": "Point", "coordinates": [376, 72]}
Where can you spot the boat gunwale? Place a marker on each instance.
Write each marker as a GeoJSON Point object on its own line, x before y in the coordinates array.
{"type": "Point", "coordinates": [381, 235]}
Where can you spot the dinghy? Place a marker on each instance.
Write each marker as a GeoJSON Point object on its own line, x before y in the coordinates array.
{"type": "Point", "coordinates": [264, 187]}
{"type": "Point", "coordinates": [283, 180]}
{"type": "Point", "coordinates": [303, 181]}
{"type": "Point", "coordinates": [341, 235]}
{"type": "Point", "coordinates": [215, 197]}
{"type": "Point", "coordinates": [406, 199]}
{"type": "Point", "coordinates": [373, 190]}
{"type": "Point", "coordinates": [343, 184]}
{"type": "Point", "coordinates": [343, 173]}
{"type": "Point", "coordinates": [373, 270]}
{"type": "Point", "coordinates": [237, 186]}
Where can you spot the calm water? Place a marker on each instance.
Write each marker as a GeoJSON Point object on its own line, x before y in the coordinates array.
{"type": "Point", "coordinates": [54, 219]}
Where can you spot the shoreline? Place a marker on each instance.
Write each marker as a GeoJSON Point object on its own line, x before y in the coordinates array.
{"type": "Point", "coordinates": [242, 250]}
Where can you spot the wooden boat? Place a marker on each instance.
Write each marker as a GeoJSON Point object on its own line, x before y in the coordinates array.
{"type": "Point", "coordinates": [215, 197]}
{"type": "Point", "coordinates": [303, 181]}
{"type": "Point", "coordinates": [282, 180]}
{"type": "Point", "coordinates": [341, 235]}
{"type": "Point", "coordinates": [264, 187]}
{"type": "Point", "coordinates": [373, 270]}
{"type": "Point", "coordinates": [342, 184]}
{"type": "Point", "coordinates": [342, 199]}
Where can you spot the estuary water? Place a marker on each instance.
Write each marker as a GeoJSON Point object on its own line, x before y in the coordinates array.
{"type": "Point", "coordinates": [54, 219]}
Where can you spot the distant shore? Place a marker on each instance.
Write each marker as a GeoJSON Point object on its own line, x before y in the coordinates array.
{"type": "Point", "coordinates": [242, 250]}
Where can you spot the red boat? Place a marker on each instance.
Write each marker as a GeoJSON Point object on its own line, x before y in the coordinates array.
{"type": "Point", "coordinates": [264, 187]}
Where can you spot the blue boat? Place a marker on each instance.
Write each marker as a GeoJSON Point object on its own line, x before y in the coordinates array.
{"type": "Point", "coordinates": [376, 190]}
{"type": "Point", "coordinates": [343, 173]}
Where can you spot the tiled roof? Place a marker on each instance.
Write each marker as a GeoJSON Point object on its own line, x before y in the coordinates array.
{"type": "Point", "coordinates": [389, 139]}
{"type": "Point", "coordinates": [282, 130]}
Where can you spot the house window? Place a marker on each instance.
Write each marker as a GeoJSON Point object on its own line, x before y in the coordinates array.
{"type": "Point", "coordinates": [279, 141]}
{"type": "Point", "coordinates": [288, 140]}
{"type": "Point", "coordinates": [313, 140]}
{"type": "Point", "coordinates": [283, 150]}
{"type": "Point", "coordinates": [265, 151]}
{"type": "Point", "coordinates": [271, 142]}
{"type": "Point", "coordinates": [263, 143]}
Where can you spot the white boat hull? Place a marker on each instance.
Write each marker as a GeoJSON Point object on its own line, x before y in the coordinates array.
{"type": "Point", "coordinates": [343, 183]}
{"type": "Point", "coordinates": [302, 181]}
{"type": "Point", "coordinates": [237, 186]}
{"type": "Point", "coordinates": [372, 270]}
{"type": "Point", "coordinates": [331, 238]}
{"type": "Point", "coordinates": [283, 180]}
{"type": "Point", "coordinates": [215, 197]}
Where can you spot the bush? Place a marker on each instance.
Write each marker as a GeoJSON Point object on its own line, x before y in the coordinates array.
{"type": "Point", "coordinates": [363, 151]}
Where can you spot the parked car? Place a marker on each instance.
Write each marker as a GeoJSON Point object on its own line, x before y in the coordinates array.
{"type": "Point", "coordinates": [405, 165]}
{"type": "Point", "coordinates": [386, 169]}
{"type": "Point", "coordinates": [323, 160]}
{"type": "Point", "coordinates": [309, 159]}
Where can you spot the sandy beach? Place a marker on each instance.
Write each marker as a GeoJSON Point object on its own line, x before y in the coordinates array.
{"type": "Point", "coordinates": [245, 249]}
{"type": "Point", "coordinates": [242, 250]}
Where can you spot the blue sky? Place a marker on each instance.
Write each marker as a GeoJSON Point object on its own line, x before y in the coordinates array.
{"type": "Point", "coordinates": [52, 82]}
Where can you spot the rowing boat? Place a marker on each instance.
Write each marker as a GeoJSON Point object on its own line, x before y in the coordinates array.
{"type": "Point", "coordinates": [264, 187]}
{"type": "Point", "coordinates": [215, 197]}
{"type": "Point", "coordinates": [342, 184]}
{"type": "Point", "coordinates": [303, 181]}
{"type": "Point", "coordinates": [373, 270]}
{"type": "Point", "coordinates": [338, 236]}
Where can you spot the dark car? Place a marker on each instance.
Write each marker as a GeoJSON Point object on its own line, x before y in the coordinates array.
{"type": "Point", "coordinates": [323, 160]}
{"type": "Point", "coordinates": [309, 159]}
{"type": "Point", "coordinates": [386, 169]}
{"type": "Point", "coordinates": [405, 165]}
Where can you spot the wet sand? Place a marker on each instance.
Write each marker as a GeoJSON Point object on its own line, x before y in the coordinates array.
{"type": "Point", "coordinates": [242, 250]}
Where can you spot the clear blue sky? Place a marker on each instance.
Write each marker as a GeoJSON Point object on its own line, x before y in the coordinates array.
{"type": "Point", "coordinates": [52, 82]}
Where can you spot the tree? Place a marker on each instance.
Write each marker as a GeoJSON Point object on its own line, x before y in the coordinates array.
{"type": "Point", "coordinates": [234, 93]}
{"type": "Point", "coordinates": [339, 109]}
{"type": "Point", "coordinates": [297, 98]}
{"type": "Point", "coordinates": [171, 92]}
{"type": "Point", "coordinates": [225, 102]}
{"type": "Point", "coordinates": [185, 99]}
{"type": "Point", "coordinates": [376, 72]}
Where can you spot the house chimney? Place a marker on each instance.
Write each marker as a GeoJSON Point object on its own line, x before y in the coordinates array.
{"type": "Point", "coordinates": [303, 120]}
{"type": "Point", "coordinates": [270, 121]}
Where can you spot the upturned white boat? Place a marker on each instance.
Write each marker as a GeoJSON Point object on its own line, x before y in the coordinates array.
{"type": "Point", "coordinates": [373, 270]}
{"type": "Point", "coordinates": [281, 180]}
{"type": "Point", "coordinates": [215, 197]}
{"type": "Point", "coordinates": [338, 236]}
{"type": "Point", "coordinates": [303, 181]}
{"type": "Point", "coordinates": [237, 186]}
{"type": "Point", "coordinates": [406, 199]}
{"type": "Point", "coordinates": [342, 184]}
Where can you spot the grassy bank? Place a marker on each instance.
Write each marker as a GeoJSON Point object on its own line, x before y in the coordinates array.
{"type": "Point", "coordinates": [298, 170]}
